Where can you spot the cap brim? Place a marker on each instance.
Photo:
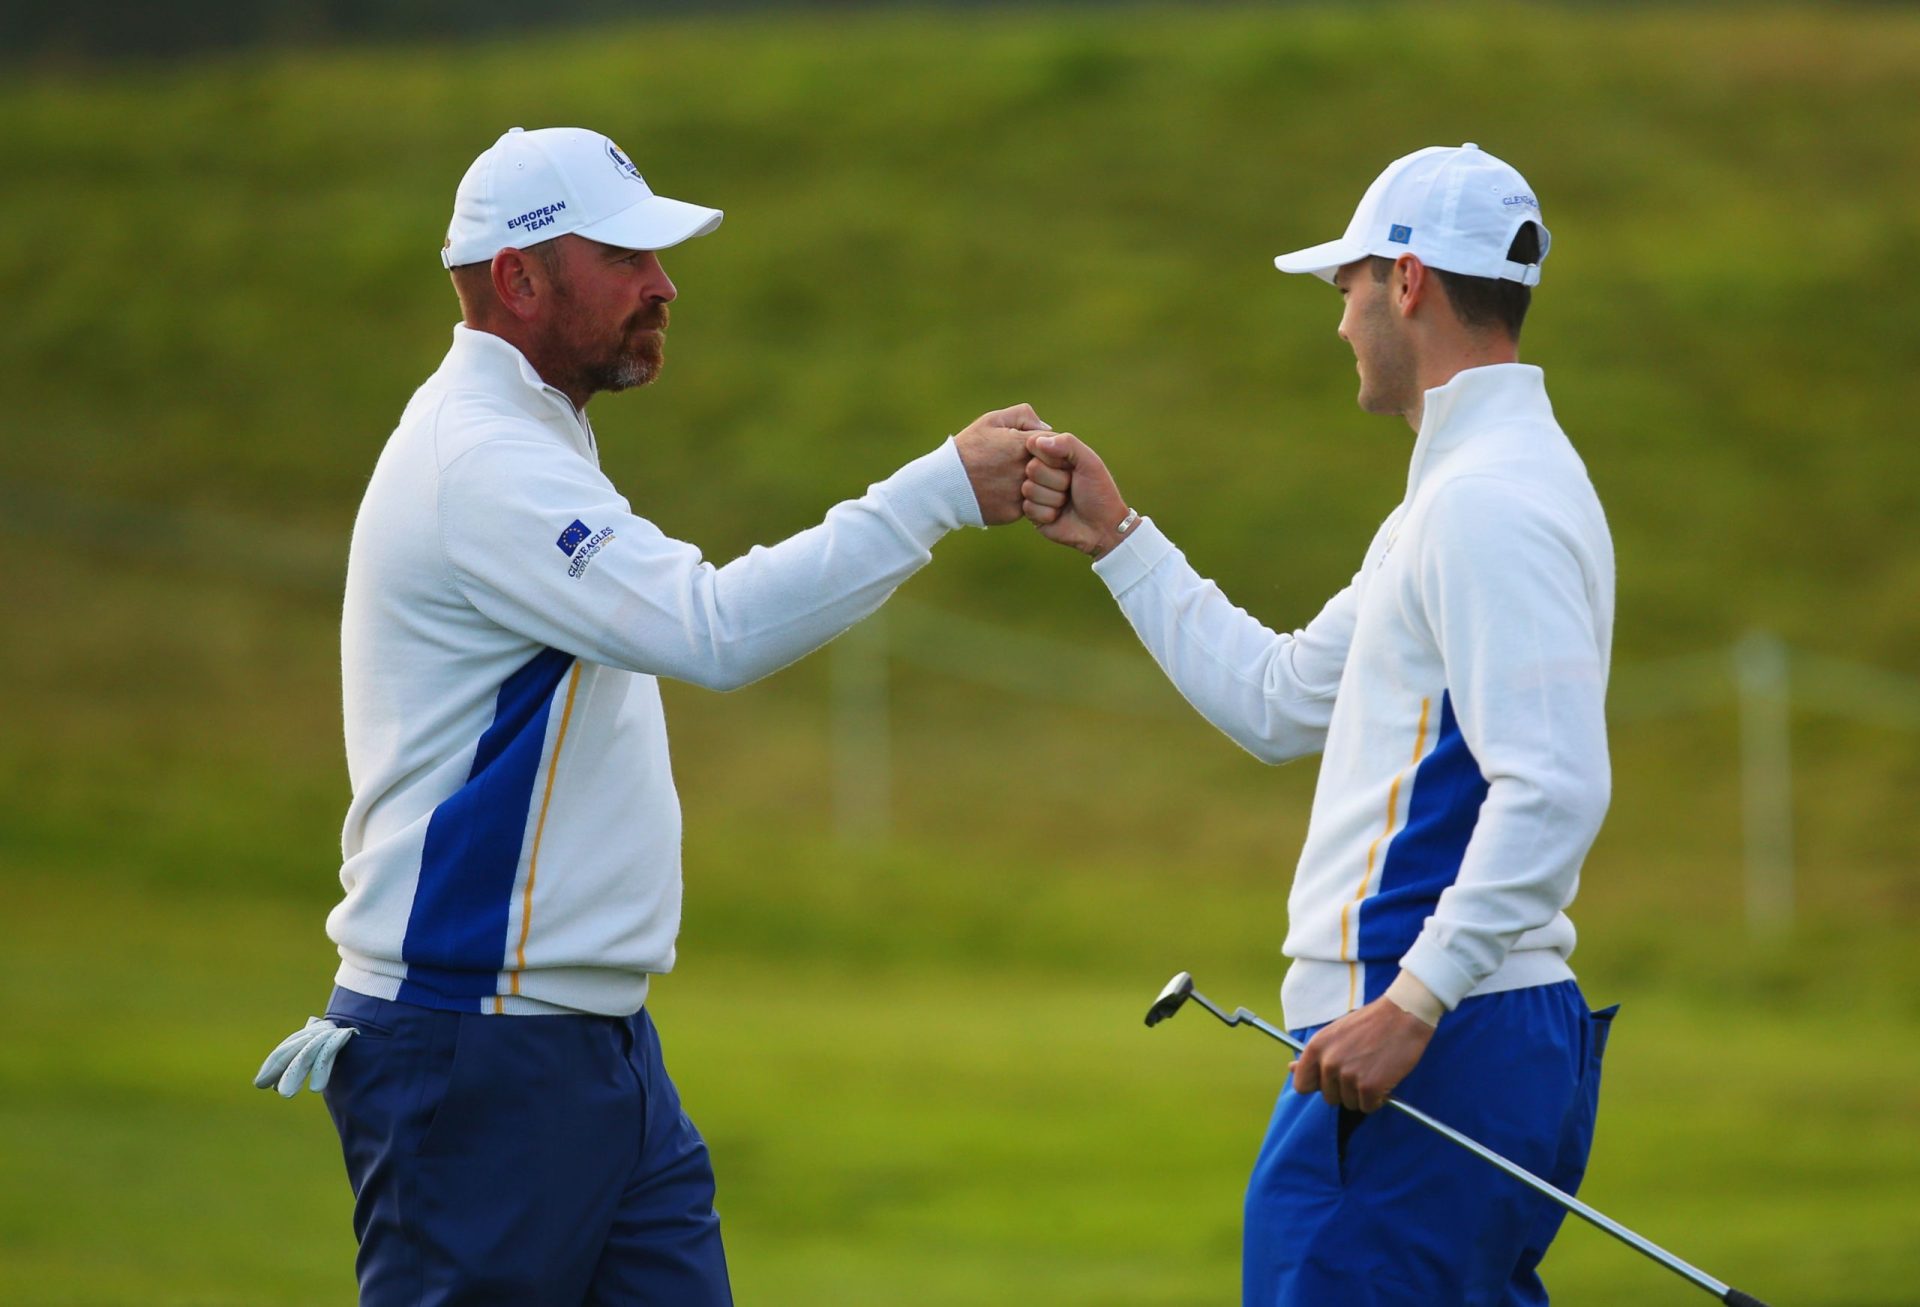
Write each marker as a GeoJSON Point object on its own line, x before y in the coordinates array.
{"type": "Point", "coordinates": [1322, 260]}
{"type": "Point", "coordinates": [655, 223]}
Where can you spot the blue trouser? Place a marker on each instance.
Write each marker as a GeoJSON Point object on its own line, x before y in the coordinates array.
{"type": "Point", "coordinates": [531, 1161]}
{"type": "Point", "coordinates": [1379, 1211]}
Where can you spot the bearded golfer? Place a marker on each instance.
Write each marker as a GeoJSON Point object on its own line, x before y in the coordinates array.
{"type": "Point", "coordinates": [1455, 691]}
{"type": "Point", "coordinates": [512, 852]}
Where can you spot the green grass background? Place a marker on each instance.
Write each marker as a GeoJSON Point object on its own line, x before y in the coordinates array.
{"type": "Point", "coordinates": [919, 1059]}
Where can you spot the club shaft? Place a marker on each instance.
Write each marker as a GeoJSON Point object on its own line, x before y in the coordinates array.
{"type": "Point", "coordinates": [1598, 1219]}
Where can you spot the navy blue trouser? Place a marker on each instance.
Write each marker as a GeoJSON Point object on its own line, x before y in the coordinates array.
{"type": "Point", "coordinates": [1379, 1211]}
{"type": "Point", "coordinates": [520, 1161]}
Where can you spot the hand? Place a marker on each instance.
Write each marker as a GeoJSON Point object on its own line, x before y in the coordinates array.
{"type": "Point", "coordinates": [307, 1052]}
{"type": "Point", "coordinates": [1356, 1061]}
{"type": "Point", "coordinates": [993, 448]}
{"type": "Point", "coordinates": [1070, 495]}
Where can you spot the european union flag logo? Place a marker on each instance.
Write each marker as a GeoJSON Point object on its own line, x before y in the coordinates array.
{"type": "Point", "coordinates": [1403, 235]}
{"type": "Point", "coordinates": [571, 537]}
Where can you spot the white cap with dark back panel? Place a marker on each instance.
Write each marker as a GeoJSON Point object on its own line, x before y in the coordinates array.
{"type": "Point", "coordinates": [1456, 209]}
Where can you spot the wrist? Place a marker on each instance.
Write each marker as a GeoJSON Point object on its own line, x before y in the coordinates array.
{"type": "Point", "coordinates": [1115, 535]}
{"type": "Point", "coordinates": [1410, 994]}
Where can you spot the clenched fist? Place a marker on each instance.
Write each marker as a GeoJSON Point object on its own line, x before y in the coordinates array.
{"type": "Point", "coordinates": [994, 450]}
{"type": "Point", "coordinates": [1069, 494]}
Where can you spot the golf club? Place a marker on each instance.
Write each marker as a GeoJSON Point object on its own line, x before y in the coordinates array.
{"type": "Point", "coordinates": [1180, 989]}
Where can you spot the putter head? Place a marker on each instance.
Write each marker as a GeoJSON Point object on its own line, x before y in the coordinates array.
{"type": "Point", "coordinates": [1177, 992]}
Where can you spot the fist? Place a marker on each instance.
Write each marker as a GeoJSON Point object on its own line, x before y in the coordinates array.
{"type": "Point", "coordinates": [993, 449]}
{"type": "Point", "coordinates": [1069, 494]}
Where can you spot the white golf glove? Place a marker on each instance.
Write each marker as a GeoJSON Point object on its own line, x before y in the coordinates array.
{"type": "Point", "coordinates": [307, 1053]}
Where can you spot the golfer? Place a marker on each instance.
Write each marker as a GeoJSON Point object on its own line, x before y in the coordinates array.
{"type": "Point", "coordinates": [1455, 692]}
{"type": "Point", "coordinates": [512, 852]}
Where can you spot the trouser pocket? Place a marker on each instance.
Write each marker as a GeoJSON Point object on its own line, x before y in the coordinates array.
{"type": "Point", "coordinates": [1349, 1121]}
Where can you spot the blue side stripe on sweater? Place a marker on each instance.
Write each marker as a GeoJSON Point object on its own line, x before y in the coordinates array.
{"type": "Point", "coordinates": [1425, 857]}
{"type": "Point", "coordinates": [456, 939]}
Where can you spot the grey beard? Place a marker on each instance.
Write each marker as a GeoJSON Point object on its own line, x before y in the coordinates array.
{"type": "Point", "coordinates": [624, 374]}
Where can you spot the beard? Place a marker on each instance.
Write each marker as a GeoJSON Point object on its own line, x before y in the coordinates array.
{"type": "Point", "coordinates": [594, 360]}
{"type": "Point", "coordinates": [638, 356]}
{"type": "Point", "coordinates": [634, 359]}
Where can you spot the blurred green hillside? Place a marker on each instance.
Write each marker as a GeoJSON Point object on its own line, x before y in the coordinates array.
{"type": "Point", "coordinates": [918, 1058]}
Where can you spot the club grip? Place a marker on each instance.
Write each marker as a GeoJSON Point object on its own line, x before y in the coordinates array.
{"type": "Point", "coordinates": [1735, 1298]}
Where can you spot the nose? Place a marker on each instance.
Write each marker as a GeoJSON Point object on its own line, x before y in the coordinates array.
{"type": "Point", "coordinates": [657, 286]}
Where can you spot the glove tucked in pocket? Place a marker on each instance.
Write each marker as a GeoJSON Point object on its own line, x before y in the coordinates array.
{"type": "Point", "coordinates": [305, 1055]}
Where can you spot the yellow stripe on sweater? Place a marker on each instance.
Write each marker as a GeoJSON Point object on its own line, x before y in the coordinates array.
{"type": "Point", "coordinates": [539, 829]}
{"type": "Point", "coordinates": [1373, 850]}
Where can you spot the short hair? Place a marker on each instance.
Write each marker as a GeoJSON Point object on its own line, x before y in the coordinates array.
{"type": "Point", "coordinates": [1482, 302]}
{"type": "Point", "coordinates": [473, 282]}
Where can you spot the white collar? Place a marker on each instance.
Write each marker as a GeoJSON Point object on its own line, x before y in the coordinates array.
{"type": "Point", "coordinates": [1472, 400]}
{"type": "Point", "coordinates": [499, 365]}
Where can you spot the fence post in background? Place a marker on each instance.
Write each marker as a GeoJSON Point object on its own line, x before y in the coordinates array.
{"type": "Point", "coordinates": [1766, 780]}
{"type": "Point", "coordinates": [862, 766]}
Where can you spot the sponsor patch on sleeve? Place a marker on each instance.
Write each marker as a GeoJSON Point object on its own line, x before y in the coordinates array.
{"type": "Point", "coordinates": [581, 542]}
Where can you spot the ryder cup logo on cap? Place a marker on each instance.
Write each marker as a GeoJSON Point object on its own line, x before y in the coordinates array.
{"type": "Point", "coordinates": [623, 163]}
{"type": "Point", "coordinates": [1454, 209]}
{"type": "Point", "coordinates": [530, 187]}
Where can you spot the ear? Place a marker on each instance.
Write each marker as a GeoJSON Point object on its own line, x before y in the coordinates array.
{"type": "Point", "coordinates": [1411, 283]}
{"type": "Point", "coordinates": [519, 283]}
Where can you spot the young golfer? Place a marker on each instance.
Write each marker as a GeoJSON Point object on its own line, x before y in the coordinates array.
{"type": "Point", "coordinates": [1455, 691]}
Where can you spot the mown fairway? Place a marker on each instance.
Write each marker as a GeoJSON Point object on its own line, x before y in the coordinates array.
{"type": "Point", "coordinates": [919, 1058]}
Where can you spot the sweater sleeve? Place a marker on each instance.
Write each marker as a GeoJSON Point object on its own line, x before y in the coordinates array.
{"type": "Point", "coordinates": [539, 541]}
{"type": "Point", "coordinates": [1271, 693]}
{"type": "Point", "coordinates": [1506, 594]}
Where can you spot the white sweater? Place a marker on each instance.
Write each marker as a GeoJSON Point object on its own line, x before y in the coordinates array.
{"type": "Point", "coordinates": [513, 844]}
{"type": "Point", "coordinates": [1456, 690]}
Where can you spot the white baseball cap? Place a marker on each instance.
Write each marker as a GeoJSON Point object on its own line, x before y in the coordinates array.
{"type": "Point", "coordinates": [1455, 209]}
{"type": "Point", "coordinates": [529, 187]}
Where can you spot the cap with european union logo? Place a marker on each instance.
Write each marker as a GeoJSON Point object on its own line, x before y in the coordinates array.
{"type": "Point", "coordinates": [531, 186]}
{"type": "Point", "coordinates": [1457, 209]}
